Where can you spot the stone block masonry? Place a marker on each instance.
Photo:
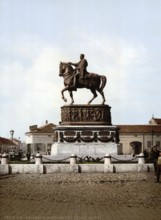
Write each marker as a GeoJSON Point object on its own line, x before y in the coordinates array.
{"type": "Point", "coordinates": [74, 168]}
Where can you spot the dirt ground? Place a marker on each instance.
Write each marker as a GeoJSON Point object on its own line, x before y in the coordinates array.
{"type": "Point", "coordinates": [80, 196]}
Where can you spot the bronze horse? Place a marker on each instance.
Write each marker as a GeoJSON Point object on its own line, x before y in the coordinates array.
{"type": "Point", "coordinates": [93, 81]}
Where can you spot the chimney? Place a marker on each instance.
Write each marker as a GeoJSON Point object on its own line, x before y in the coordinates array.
{"type": "Point", "coordinates": [33, 127]}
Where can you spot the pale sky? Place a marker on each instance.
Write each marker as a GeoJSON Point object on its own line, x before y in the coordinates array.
{"type": "Point", "coordinates": [121, 39]}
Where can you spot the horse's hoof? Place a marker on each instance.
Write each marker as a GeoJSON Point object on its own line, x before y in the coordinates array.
{"type": "Point", "coordinates": [65, 100]}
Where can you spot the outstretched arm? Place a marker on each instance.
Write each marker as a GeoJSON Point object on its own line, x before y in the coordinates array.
{"type": "Point", "coordinates": [74, 64]}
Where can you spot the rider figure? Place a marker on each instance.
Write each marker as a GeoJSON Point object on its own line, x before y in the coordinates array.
{"type": "Point", "coordinates": [80, 69]}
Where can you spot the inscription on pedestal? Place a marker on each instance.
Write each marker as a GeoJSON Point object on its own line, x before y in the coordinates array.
{"type": "Point", "coordinates": [86, 115]}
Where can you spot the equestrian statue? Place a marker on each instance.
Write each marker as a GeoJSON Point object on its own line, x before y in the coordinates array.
{"type": "Point", "coordinates": [78, 77]}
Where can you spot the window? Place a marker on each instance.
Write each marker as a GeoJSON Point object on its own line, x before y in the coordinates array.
{"type": "Point", "coordinates": [149, 144]}
{"type": "Point", "coordinates": [39, 147]}
{"type": "Point", "coordinates": [29, 147]}
{"type": "Point", "coordinates": [49, 149]}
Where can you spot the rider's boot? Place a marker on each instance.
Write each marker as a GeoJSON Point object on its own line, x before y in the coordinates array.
{"type": "Point", "coordinates": [74, 85]}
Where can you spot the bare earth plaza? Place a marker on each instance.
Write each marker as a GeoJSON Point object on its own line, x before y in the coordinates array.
{"type": "Point", "coordinates": [86, 176]}
{"type": "Point", "coordinates": [116, 196]}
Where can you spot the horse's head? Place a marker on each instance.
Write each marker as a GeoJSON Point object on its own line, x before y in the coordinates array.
{"type": "Point", "coordinates": [65, 68]}
{"type": "Point", "coordinates": [61, 68]}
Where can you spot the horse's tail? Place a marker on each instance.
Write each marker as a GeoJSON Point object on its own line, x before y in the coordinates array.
{"type": "Point", "coordinates": [103, 82]}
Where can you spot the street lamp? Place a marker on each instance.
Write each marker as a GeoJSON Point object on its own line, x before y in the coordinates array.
{"type": "Point", "coordinates": [12, 133]}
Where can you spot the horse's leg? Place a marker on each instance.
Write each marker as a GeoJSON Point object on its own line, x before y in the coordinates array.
{"type": "Point", "coordinates": [103, 96]}
{"type": "Point", "coordinates": [94, 95]}
{"type": "Point", "coordinates": [62, 92]}
{"type": "Point", "coordinates": [71, 95]}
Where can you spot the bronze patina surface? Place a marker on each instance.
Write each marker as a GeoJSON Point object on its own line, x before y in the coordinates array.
{"type": "Point", "coordinates": [85, 115]}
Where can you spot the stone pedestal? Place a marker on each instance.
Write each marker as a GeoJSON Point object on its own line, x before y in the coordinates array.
{"type": "Point", "coordinates": [85, 115]}
{"type": "Point", "coordinates": [86, 140]}
{"type": "Point", "coordinates": [86, 130]}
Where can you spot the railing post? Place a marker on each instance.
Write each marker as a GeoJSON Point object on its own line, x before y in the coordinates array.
{"type": "Point", "coordinates": [141, 159]}
{"type": "Point", "coordinates": [107, 159]}
{"type": "Point", "coordinates": [38, 159]}
{"type": "Point", "coordinates": [5, 158]}
{"type": "Point", "coordinates": [73, 159]}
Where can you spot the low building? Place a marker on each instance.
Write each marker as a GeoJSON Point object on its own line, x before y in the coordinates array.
{"type": "Point", "coordinates": [8, 145]}
{"type": "Point", "coordinates": [40, 139]}
{"type": "Point", "coordinates": [134, 139]}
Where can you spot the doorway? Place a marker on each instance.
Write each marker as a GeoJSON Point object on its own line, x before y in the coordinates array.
{"type": "Point", "coordinates": [136, 147]}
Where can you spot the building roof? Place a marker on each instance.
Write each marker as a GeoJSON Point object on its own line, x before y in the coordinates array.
{"type": "Point", "coordinates": [140, 128]}
{"type": "Point", "coordinates": [157, 121]}
{"type": "Point", "coordinates": [5, 141]}
{"type": "Point", "coordinates": [47, 128]}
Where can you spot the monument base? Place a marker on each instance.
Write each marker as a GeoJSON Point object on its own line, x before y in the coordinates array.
{"type": "Point", "coordinates": [94, 141]}
{"type": "Point", "coordinates": [85, 149]}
